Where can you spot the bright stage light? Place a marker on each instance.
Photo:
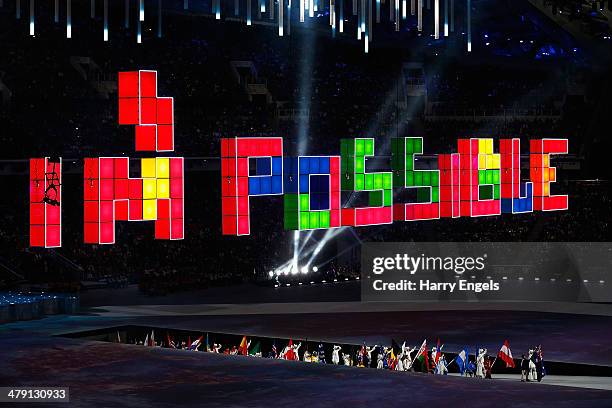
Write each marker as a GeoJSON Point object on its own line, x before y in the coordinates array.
{"type": "Point", "coordinates": [315, 269]}
{"type": "Point", "coordinates": [304, 269]}
{"type": "Point", "coordinates": [271, 274]}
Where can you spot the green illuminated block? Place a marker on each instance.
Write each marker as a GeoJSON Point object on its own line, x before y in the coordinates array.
{"type": "Point", "coordinates": [435, 195]}
{"type": "Point", "coordinates": [485, 192]}
{"type": "Point", "coordinates": [418, 178]}
{"type": "Point", "coordinates": [496, 176]}
{"type": "Point", "coordinates": [409, 162]}
{"type": "Point", "coordinates": [314, 219]}
{"type": "Point", "coordinates": [369, 147]}
{"type": "Point", "coordinates": [359, 182]}
{"type": "Point", "coordinates": [324, 219]}
{"type": "Point", "coordinates": [489, 177]}
{"type": "Point", "coordinates": [387, 181]}
{"type": "Point", "coordinates": [347, 147]}
{"type": "Point", "coordinates": [410, 178]}
{"type": "Point", "coordinates": [427, 178]}
{"type": "Point", "coordinates": [304, 202]}
{"type": "Point", "coordinates": [496, 191]}
{"type": "Point", "coordinates": [369, 182]}
{"type": "Point", "coordinates": [359, 165]}
{"type": "Point", "coordinates": [423, 195]}
{"type": "Point", "coordinates": [348, 182]}
{"type": "Point", "coordinates": [378, 181]}
{"type": "Point", "coordinates": [304, 220]}
{"type": "Point", "coordinates": [435, 178]}
{"type": "Point", "coordinates": [291, 220]}
{"type": "Point", "coordinates": [482, 177]}
{"type": "Point", "coordinates": [359, 147]}
{"type": "Point", "coordinates": [418, 145]}
{"type": "Point", "coordinates": [375, 199]}
{"type": "Point", "coordinates": [388, 198]}
{"type": "Point", "coordinates": [350, 165]}
{"type": "Point", "coordinates": [409, 146]}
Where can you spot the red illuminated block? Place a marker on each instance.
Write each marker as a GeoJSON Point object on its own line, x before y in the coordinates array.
{"type": "Point", "coordinates": [45, 202]}
{"type": "Point", "coordinates": [165, 138]}
{"type": "Point", "coordinates": [128, 85]}
{"type": "Point", "coordinates": [148, 111]}
{"type": "Point", "coordinates": [146, 136]}
{"type": "Point", "coordinates": [165, 111]}
{"type": "Point", "coordinates": [348, 217]}
{"type": "Point", "coordinates": [129, 113]}
{"type": "Point", "coordinates": [148, 84]}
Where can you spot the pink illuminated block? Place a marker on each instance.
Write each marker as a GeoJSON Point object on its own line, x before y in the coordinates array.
{"type": "Point", "coordinates": [45, 202]}
{"type": "Point", "coordinates": [120, 198]}
{"type": "Point", "coordinates": [235, 154]}
{"type": "Point", "coordinates": [540, 174]}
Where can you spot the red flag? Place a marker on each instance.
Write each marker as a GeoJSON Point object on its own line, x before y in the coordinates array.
{"type": "Point", "coordinates": [506, 354]}
{"type": "Point", "coordinates": [244, 347]}
{"type": "Point", "coordinates": [290, 354]}
{"type": "Point", "coordinates": [437, 352]}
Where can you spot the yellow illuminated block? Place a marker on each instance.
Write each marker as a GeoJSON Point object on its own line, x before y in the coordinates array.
{"type": "Point", "coordinates": [482, 146]}
{"type": "Point", "coordinates": [149, 188]}
{"type": "Point", "coordinates": [482, 161]}
{"type": "Point", "coordinates": [545, 176]}
{"type": "Point", "coordinates": [163, 188]}
{"type": "Point", "coordinates": [546, 160]}
{"type": "Point", "coordinates": [163, 167]}
{"type": "Point", "coordinates": [147, 168]}
{"type": "Point", "coordinates": [546, 190]}
{"type": "Point", "coordinates": [489, 161]}
{"type": "Point", "coordinates": [149, 209]}
{"type": "Point", "coordinates": [496, 161]}
{"type": "Point", "coordinates": [489, 146]}
{"type": "Point", "coordinates": [552, 174]}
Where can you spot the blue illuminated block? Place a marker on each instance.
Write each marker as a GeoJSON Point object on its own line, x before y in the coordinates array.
{"type": "Point", "coordinates": [304, 165]}
{"type": "Point", "coordinates": [277, 166]}
{"type": "Point", "coordinates": [324, 165]}
{"type": "Point", "coordinates": [303, 184]}
{"type": "Point", "coordinates": [266, 185]}
{"type": "Point", "coordinates": [506, 205]}
{"type": "Point", "coordinates": [277, 184]}
{"type": "Point", "coordinates": [521, 205]}
{"type": "Point", "coordinates": [263, 166]}
{"type": "Point", "coordinates": [254, 186]}
{"type": "Point", "coordinates": [314, 165]}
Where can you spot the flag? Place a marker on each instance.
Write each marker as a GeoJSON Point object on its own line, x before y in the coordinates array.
{"type": "Point", "coordinates": [196, 343]}
{"type": "Point", "coordinates": [290, 354]}
{"type": "Point", "coordinates": [152, 339]}
{"type": "Point", "coordinates": [461, 360]}
{"type": "Point", "coordinates": [243, 348]}
{"type": "Point", "coordinates": [422, 355]}
{"type": "Point", "coordinates": [118, 337]}
{"type": "Point", "coordinates": [207, 345]}
{"type": "Point", "coordinates": [506, 354]}
{"type": "Point", "coordinates": [146, 342]}
{"type": "Point", "coordinates": [437, 353]}
{"type": "Point", "coordinates": [256, 349]}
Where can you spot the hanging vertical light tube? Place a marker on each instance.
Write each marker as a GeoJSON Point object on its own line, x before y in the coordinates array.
{"type": "Point", "coordinates": [391, 10]}
{"type": "Point", "coordinates": [262, 5]}
{"type": "Point", "coordinates": [354, 7]}
{"type": "Point", "coordinates": [218, 11]}
{"type": "Point", "coordinates": [56, 11]}
{"type": "Point", "coordinates": [271, 14]}
{"type": "Point", "coordinates": [446, 18]}
{"type": "Point", "coordinates": [126, 22]}
{"type": "Point", "coordinates": [280, 17]}
{"type": "Point", "coordinates": [141, 13]}
{"type": "Point", "coordinates": [363, 16]}
{"type": "Point", "coordinates": [288, 16]}
{"type": "Point", "coordinates": [428, 4]}
{"type": "Point", "coordinates": [315, 5]}
{"type": "Point", "coordinates": [341, 16]}
{"type": "Point", "coordinates": [452, 16]}
{"type": "Point", "coordinates": [18, 9]}
{"type": "Point", "coordinates": [370, 31]}
{"type": "Point", "coordinates": [332, 16]}
{"type": "Point", "coordinates": [92, 8]}
{"type": "Point", "coordinates": [311, 9]}
{"type": "Point", "coordinates": [185, 4]}
{"type": "Point", "coordinates": [105, 20]}
{"type": "Point", "coordinates": [412, 7]}
{"type": "Point", "coordinates": [404, 9]}
{"type": "Point", "coordinates": [68, 19]}
{"type": "Point", "coordinates": [420, 15]}
{"type": "Point", "coordinates": [365, 28]}
{"type": "Point", "coordinates": [248, 12]}
{"type": "Point", "coordinates": [469, 26]}
{"type": "Point", "coordinates": [358, 22]}
{"type": "Point", "coordinates": [397, 15]}
{"type": "Point", "coordinates": [32, 17]}
{"type": "Point", "coordinates": [236, 7]}
{"type": "Point", "coordinates": [302, 10]}
{"type": "Point", "coordinates": [437, 19]}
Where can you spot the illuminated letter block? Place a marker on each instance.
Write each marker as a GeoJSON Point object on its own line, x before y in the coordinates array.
{"type": "Point", "coordinates": [111, 195]}
{"type": "Point", "coordinates": [355, 178]}
{"type": "Point", "coordinates": [542, 174]}
{"type": "Point", "coordinates": [45, 202]}
{"type": "Point", "coordinates": [449, 185]}
{"type": "Point", "coordinates": [153, 116]}
{"type": "Point", "coordinates": [516, 197]}
{"type": "Point", "coordinates": [237, 182]}
{"type": "Point", "coordinates": [312, 192]}
{"type": "Point", "coordinates": [426, 183]}
{"type": "Point", "coordinates": [479, 178]}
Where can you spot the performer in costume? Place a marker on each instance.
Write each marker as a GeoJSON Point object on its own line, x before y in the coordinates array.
{"type": "Point", "coordinates": [532, 374]}
{"type": "Point", "coordinates": [488, 365]}
{"type": "Point", "coordinates": [336, 354]}
{"type": "Point", "coordinates": [380, 364]}
{"type": "Point", "coordinates": [369, 351]}
{"type": "Point", "coordinates": [480, 369]}
{"type": "Point", "coordinates": [321, 353]}
{"type": "Point", "coordinates": [442, 366]}
{"type": "Point", "coordinates": [524, 368]}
